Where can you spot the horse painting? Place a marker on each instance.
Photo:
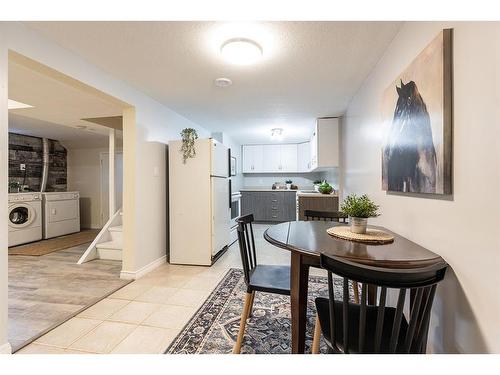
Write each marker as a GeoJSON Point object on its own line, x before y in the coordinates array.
{"type": "Point", "coordinates": [417, 121]}
{"type": "Point", "coordinates": [409, 156]}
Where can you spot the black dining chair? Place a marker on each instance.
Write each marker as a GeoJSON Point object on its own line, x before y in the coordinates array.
{"type": "Point", "coordinates": [325, 215]}
{"type": "Point", "coordinates": [361, 328]}
{"type": "Point", "coordinates": [258, 277]}
{"type": "Point", "coordinates": [311, 215]}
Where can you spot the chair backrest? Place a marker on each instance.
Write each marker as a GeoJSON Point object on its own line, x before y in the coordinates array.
{"type": "Point", "coordinates": [375, 281]}
{"type": "Point", "coordinates": [247, 245]}
{"type": "Point", "coordinates": [324, 215]}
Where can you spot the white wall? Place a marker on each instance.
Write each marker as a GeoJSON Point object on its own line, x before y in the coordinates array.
{"type": "Point", "coordinates": [84, 175]}
{"type": "Point", "coordinates": [463, 229]}
{"type": "Point", "coordinates": [4, 175]}
{"type": "Point", "coordinates": [155, 123]}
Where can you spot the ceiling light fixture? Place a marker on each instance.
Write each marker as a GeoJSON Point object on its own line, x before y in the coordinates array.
{"type": "Point", "coordinates": [223, 82]}
{"type": "Point", "coordinates": [241, 51]}
{"type": "Point", "coordinates": [12, 104]}
{"type": "Point", "coordinates": [277, 134]}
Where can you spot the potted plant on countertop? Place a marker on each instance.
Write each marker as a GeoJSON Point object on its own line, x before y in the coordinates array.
{"type": "Point", "coordinates": [316, 184]}
{"type": "Point", "coordinates": [288, 184]}
{"type": "Point", "coordinates": [189, 135]}
{"type": "Point", "coordinates": [359, 209]}
{"type": "Point", "coordinates": [325, 188]}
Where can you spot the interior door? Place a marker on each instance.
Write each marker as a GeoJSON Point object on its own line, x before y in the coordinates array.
{"type": "Point", "coordinates": [220, 213]}
{"type": "Point", "coordinates": [105, 184]}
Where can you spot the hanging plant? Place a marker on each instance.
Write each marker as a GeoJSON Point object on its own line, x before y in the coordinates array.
{"type": "Point", "coordinates": [189, 135]}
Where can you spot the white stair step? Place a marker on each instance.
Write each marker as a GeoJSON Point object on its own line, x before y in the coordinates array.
{"type": "Point", "coordinates": [113, 245]}
{"type": "Point", "coordinates": [111, 250]}
{"type": "Point", "coordinates": [116, 233]}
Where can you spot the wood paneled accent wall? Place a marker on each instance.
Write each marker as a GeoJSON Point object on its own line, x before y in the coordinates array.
{"type": "Point", "coordinates": [24, 149]}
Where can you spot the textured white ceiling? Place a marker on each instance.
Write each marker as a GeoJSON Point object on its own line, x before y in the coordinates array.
{"type": "Point", "coordinates": [309, 70]}
{"type": "Point", "coordinates": [58, 108]}
{"type": "Point", "coordinates": [68, 136]}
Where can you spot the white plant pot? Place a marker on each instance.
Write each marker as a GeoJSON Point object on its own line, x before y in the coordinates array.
{"type": "Point", "coordinates": [358, 224]}
{"type": "Point", "coordinates": [288, 186]}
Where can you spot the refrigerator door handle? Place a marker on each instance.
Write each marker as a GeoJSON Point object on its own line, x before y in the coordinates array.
{"type": "Point", "coordinates": [230, 194]}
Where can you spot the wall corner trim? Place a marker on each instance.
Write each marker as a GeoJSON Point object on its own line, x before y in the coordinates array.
{"type": "Point", "coordinates": [134, 275]}
{"type": "Point", "coordinates": [5, 348]}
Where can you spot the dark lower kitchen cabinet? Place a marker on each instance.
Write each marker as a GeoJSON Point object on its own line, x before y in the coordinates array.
{"type": "Point", "coordinates": [269, 206]}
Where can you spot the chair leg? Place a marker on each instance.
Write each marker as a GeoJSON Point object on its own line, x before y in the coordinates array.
{"type": "Point", "coordinates": [356, 291]}
{"type": "Point", "coordinates": [317, 337]}
{"type": "Point", "coordinates": [243, 321]}
{"type": "Point", "coordinates": [251, 306]}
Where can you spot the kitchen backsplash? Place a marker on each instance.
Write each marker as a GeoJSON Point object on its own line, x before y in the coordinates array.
{"type": "Point", "coordinates": [27, 150]}
{"type": "Point", "coordinates": [302, 180]}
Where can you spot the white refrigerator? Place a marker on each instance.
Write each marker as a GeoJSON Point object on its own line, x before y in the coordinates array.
{"type": "Point", "coordinates": [199, 202]}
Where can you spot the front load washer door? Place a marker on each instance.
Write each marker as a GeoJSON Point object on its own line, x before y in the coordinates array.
{"type": "Point", "coordinates": [21, 215]}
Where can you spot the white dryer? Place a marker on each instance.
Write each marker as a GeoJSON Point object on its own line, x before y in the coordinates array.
{"type": "Point", "coordinates": [25, 218]}
{"type": "Point", "coordinates": [61, 213]}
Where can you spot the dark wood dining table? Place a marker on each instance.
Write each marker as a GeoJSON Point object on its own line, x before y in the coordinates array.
{"type": "Point", "coordinates": [306, 240]}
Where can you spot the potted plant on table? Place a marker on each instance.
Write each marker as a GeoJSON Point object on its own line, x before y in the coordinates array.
{"type": "Point", "coordinates": [359, 209]}
{"type": "Point", "coordinates": [288, 184]}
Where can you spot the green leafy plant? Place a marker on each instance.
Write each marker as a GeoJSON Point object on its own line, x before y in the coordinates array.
{"type": "Point", "coordinates": [317, 182]}
{"type": "Point", "coordinates": [288, 181]}
{"type": "Point", "coordinates": [189, 135]}
{"type": "Point", "coordinates": [359, 206]}
{"type": "Point", "coordinates": [14, 185]}
{"type": "Point", "coordinates": [325, 188]}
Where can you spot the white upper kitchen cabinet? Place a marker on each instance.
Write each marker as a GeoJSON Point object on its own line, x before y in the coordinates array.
{"type": "Point", "coordinates": [304, 157]}
{"type": "Point", "coordinates": [288, 158]}
{"type": "Point", "coordinates": [252, 158]}
{"type": "Point", "coordinates": [272, 158]}
{"type": "Point", "coordinates": [325, 144]}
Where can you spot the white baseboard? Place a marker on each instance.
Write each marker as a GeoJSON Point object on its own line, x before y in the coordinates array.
{"type": "Point", "coordinates": [5, 349]}
{"type": "Point", "coordinates": [134, 275]}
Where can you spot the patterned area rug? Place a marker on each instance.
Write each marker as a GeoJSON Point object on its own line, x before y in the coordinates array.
{"type": "Point", "coordinates": [213, 329]}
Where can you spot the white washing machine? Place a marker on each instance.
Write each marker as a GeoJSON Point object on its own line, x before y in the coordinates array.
{"type": "Point", "coordinates": [61, 213]}
{"type": "Point", "coordinates": [25, 218]}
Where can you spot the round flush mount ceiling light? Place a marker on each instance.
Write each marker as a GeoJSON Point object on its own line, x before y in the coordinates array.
{"type": "Point", "coordinates": [277, 134]}
{"type": "Point", "coordinates": [223, 82]}
{"type": "Point", "coordinates": [241, 51]}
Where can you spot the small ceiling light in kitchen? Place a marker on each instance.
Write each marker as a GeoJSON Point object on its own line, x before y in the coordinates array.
{"type": "Point", "coordinates": [223, 82]}
{"type": "Point", "coordinates": [12, 104]}
{"type": "Point", "coordinates": [241, 51]}
{"type": "Point", "coordinates": [277, 134]}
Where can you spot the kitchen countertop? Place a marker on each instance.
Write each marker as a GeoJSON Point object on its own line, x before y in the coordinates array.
{"type": "Point", "coordinates": [268, 189]}
{"type": "Point", "coordinates": [300, 193]}
{"type": "Point", "coordinates": [309, 194]}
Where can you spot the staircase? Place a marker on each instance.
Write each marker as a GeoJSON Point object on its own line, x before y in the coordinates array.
{"type": "Point", "coordinates": [112, 249]}
{"type": "Point", "coordinates": [109, 242]}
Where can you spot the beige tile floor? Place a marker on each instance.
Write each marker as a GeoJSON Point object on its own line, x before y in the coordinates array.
{"type": "Point", "coordinates": [146, 315]}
